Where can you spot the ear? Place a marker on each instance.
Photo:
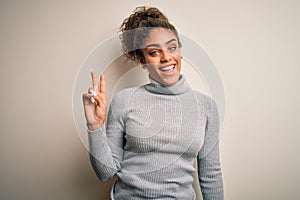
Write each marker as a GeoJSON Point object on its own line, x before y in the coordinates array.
{"type": "Point", "coordinates": [142, 60]}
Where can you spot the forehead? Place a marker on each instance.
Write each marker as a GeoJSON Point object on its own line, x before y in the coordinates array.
{"type": "Point", "coordinates": [159, 36]}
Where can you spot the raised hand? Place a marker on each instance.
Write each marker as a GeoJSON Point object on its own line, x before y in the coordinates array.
{"type": "Point", "coordinates": [94, 103]}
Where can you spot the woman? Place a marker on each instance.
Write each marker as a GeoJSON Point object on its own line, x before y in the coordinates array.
{"type": "Point", "coordinates": [154, 133]}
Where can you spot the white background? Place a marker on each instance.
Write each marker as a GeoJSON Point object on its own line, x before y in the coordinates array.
{"type": "Point", "coordinates": [254, 44]}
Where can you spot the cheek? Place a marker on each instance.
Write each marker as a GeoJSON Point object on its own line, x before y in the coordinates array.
{"type": "Point", "coordinates": [153, 60]}
{"type": "Point", "coordinates": [150, 59]}
{"type": "Point", "coordinates": [176, 55]}
{"type": "Point", "coordinates": [151, 67]}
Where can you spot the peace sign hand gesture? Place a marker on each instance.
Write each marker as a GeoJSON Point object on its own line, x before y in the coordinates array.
{"type": "Point", "coordinates": [94, 103]}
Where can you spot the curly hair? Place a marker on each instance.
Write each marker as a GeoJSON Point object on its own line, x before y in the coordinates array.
{"type": "Point", "coordinates": [136, 28]}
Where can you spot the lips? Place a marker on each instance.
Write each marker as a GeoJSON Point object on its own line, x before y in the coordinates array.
{"type": "Point", "coordinates": [167, 68]}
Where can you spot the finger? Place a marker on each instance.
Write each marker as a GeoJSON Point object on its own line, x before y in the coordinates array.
{"type": "Point", "coordinates": [92, 92]}
{"type": "Point", "coordinates": [101, 112]}
{"type": "Point", "coordinates": [94, 80]}
{"type": "Point", "coordinates": [102, 84]}
{"type": "Point", "coordinates": [85, 96]}
{"type": "Point", "coordinates": [102, 96]}
{"type": "Point", "coordinates": [100, 101]}
{"type": "Point", "coordinates": [90, 95]}
{"type": "Point", "coordinates": [92, 99]}
{"type": "Point", "coordinates": [86, 99]}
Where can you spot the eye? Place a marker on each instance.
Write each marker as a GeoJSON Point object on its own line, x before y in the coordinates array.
{"type": "Point", "coordinates": [154, 53]}
{"type": "Point", "coordinates": [171, 49]}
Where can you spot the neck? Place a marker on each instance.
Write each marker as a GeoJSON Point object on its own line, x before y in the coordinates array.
{"type": "Point", "coordinates": [180, 87]}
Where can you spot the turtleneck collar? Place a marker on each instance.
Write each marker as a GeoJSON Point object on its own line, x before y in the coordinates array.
{"type": "Point", "coordinates": [180, 87]}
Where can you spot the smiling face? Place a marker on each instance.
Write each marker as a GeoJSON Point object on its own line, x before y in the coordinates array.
{"type": "Point", "coordinates": [162, 56]}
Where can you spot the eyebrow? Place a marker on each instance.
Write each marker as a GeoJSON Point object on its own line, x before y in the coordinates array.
{"type": "Point", "coordinates": [157, 45]}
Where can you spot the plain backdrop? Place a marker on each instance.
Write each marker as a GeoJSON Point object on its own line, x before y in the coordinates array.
{"type": "Point", "coordinates": [254, 45]}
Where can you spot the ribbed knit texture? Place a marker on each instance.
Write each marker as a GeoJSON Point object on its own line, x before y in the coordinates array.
{"type": "Point", "coordinates": [152, 137]}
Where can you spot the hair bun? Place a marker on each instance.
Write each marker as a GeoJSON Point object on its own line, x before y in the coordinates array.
{"type": "Point", "coordinates": [147, 16]}
{"type": "Point", "coordinates": [150, 13]}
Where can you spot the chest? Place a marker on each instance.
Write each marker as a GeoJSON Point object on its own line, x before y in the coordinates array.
{"type": "Point", "coordinates": [170, 125]}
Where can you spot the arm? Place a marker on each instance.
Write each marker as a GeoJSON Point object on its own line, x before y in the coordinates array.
{"type": "Point", "coordinates": [209, 168]}
{"type": "Point", "coordinates": [106, 145]}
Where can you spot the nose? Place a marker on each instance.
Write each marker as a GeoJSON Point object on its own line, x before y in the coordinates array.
{"type": "Point", "coordinates": [166, 56]}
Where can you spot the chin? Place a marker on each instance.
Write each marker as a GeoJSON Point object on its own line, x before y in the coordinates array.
{"type": "Point", "coordinates": [171, 80]}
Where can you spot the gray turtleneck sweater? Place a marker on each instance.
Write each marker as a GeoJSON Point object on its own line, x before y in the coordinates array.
{"type": "Point", "coordinates": [152, 137]}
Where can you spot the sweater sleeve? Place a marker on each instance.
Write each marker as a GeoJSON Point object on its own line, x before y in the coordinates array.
{"type": "Point", "coordinates": [106, 144]}
{"type": "Point", "coordinates": [209, 168]}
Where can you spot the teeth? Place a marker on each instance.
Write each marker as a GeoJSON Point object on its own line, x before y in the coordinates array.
{"type": "Point", "coordinates": [167, 68]}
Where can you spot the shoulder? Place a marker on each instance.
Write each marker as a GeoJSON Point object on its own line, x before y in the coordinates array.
{"type": "Point", "coordinates": [122, 97]}
{"type": "Point", "coordinates": [119, 104]}
{"type": "Point", "coordinates": [204, 100]}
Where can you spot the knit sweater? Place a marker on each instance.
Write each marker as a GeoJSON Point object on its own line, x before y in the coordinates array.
{"type": "Point", "coordinates": [151, 139]}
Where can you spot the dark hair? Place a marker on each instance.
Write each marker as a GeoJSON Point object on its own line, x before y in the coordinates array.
{"type": "Point", "coordinates": [136, 28]}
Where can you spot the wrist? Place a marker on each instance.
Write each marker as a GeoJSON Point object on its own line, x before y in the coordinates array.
{"type": "Point", "coordinates": [94, 127]}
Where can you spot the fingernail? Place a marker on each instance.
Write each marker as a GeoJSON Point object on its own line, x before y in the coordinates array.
{"type": "Point", "coordinates": [93, 93]}
{"type": "Point", "coordinates": [92, 100]}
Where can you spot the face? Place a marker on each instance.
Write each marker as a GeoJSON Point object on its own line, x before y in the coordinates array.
{"type": "Point", "coordinates": [162, 56]}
